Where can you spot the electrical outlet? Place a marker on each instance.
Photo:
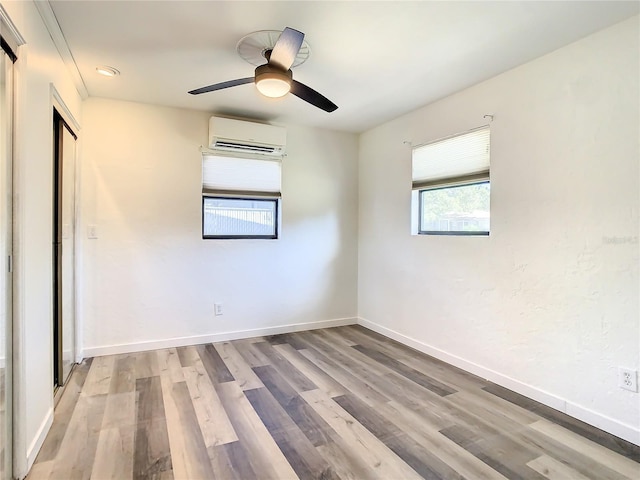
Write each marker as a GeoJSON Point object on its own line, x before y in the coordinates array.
{"type": "Point", "coordinates": [217, 309]}
{"type": "Point", "coordinates": [628, 379]}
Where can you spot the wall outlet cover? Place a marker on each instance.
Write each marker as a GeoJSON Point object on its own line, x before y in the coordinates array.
{"type": "Point", "coordinates": [628, 379]}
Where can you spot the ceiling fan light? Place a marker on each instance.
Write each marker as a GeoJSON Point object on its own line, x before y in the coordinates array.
{"type": "Point", "coordinates": [273, 87]}
{"type": "Point", "coordinates": [272, 81]}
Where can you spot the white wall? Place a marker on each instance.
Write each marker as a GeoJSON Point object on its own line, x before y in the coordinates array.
{"type": "Point", "coordinates": [150, 279]}
{"type": "Point", "coordinates": [38, 67]}
{"type": "Point", "coordinates": [548, 304]}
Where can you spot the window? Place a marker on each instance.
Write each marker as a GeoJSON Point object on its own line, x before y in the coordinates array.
{"type": "Point", "coordinates": [240, 197]}
{"type": "Point", "coordinates": [239, 217]}
{"type": "Point", "coordinates": [451, 185]}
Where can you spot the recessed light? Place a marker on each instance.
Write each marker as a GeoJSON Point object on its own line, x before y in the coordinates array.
{"type": "Point", "coordinates": [107, 71]}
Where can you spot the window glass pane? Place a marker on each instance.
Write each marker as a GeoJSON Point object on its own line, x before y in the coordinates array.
{"type": "Point", "coordinates": [239, 217]}
{"type": "Point", "coordinates": [455, 209]}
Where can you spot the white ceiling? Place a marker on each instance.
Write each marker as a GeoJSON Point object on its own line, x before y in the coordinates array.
{"type": "Point", "coordinates": [375, 60]}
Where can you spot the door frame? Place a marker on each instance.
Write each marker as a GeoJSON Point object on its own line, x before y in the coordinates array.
{"type": "Point", "coordinates": [60, 125]}
{"type": "Point", "coordinates": [59, 104]}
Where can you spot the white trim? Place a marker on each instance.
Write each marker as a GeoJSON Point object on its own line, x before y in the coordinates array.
{"type": "Point", "coordinates": [213, 337]}
{"type": "Point", "coordinates": [13, 30]}
{"type": "Point", "coordinates": [79, 246]}
{"type": "Point", "coordinates": [18, 286]}
{"type": "Point", "coordinates": [61, 107]}
{"type": "Point", "coordinates": [53, 27]}
{"type": "Point", "coordinates": [58, 103]}
{"type": "Point", "coordinates": [36, 444]}
{"type": "Point", "coordinates": [610, 425]}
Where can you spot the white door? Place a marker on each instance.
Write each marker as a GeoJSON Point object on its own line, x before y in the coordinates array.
{"type": "Point", "coordinates": [68, 220]}
{"type": "Point", "coordinates": [6, 133]}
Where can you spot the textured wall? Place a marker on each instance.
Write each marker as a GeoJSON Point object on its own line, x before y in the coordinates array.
{"type": "Point", "coordinates": [548, 302]}
{"type": "Point", "coordinates": [150, 277]}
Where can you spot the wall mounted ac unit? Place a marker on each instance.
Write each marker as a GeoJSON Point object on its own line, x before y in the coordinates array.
{"type": "Point", "coordinates": [243, 137]}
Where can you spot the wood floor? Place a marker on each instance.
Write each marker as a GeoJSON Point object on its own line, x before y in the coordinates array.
{"type": "Point", "coordinates": [327, 404]}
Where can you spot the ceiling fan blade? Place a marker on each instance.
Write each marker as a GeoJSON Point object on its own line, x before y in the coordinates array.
{"type": "Point", "coordinates": [220, 86]}
{"type": "Point", "coordinates": [286, 48]}
{"type": "Point", "coordinates": [308, 94]}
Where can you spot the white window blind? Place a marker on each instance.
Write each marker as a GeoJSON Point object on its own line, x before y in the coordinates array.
{"type": "Point", "coordinates": [240, 176]}
{"type": "Point", "coordinates": [455, 160]}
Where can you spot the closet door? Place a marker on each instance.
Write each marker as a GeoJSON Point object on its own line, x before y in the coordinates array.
{"type": "Point", "coordinates": [64, 250]}
{"type": "Point", "coordinates": [6, 208]}
{"type": "Point", "coordinates": [68, 253]}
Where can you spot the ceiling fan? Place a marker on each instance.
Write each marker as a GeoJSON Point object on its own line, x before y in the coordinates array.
{"type": "Point", "coordinates": [274, 78]}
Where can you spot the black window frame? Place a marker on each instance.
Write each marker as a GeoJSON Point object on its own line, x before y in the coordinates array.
{"type": "Point", "coordinates": [449, 232]}
{"type": "Point", "coordinates": [276, 202]}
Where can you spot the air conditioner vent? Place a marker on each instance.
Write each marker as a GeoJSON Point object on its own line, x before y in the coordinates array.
{"type": "Point", "coordinates": [243, 147]}
{"type": "Point", "coordinates": [246, 137]}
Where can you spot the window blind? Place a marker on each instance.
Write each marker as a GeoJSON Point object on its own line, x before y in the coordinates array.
{"type": "Point", "coordinates": [452, 161]}
{"type": "Point", "coordinates": [244, 177]}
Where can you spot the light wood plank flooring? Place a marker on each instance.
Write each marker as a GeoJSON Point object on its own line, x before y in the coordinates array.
{"type": "Point", "coordinates": [326, 404]}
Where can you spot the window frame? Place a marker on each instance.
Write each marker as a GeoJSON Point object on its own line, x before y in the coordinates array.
{"type": "Point", "coordinates": [483, 233]}
{"type": "Point", "coordinates": [224, 181]}
{"type": "Point", "coordinates": [276, 220]}
{"type": "Point", "coordinates": [476, 172]}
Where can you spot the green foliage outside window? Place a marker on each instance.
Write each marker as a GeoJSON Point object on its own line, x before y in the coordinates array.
{"type": "Point", "coordinates": [459, 208]}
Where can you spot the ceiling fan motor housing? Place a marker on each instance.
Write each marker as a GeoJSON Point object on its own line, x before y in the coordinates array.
{"type": "Point", "coordinates": [266, 71]}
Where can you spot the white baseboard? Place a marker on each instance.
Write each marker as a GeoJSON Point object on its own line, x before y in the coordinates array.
{"type": "Point", "coordinates": [36, 444]}
{"type": "Point", "coordinates": [610, 425]}
{"type": "Point", "coordinates": [214, 337]}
